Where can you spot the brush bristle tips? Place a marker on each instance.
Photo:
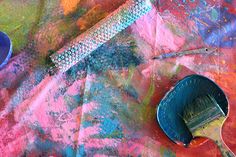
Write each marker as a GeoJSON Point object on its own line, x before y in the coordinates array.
{"type": "Point", "coordinates": [201, 111]}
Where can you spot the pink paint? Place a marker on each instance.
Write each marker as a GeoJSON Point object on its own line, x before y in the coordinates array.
{"type": "Point", "coordinates": [4, 98]}
{"type": "Point", "coordinates": [89, 107]}
{"type": "Point", "coordinates": [85, 139]}
{"type": "Point", "coordinates": [153, 29]}
{"type": "Point", "coordinates": [101, 143]}
{"type": "Point", "coordinates": [85, 133]}
{"type": "Point", "coordinates": [41, 102]}
{"type": "Point", "coordinates": [187, 61]}
{"type": "Point", "coordinates": [14, 140]}
{"type": "Point", "coordinates": [73, 89]}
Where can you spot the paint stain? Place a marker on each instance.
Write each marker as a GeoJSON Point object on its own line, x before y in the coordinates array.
{"type": "Point", "coordinates": [72, 102]}
{"type": "Point", "coordinates": [166, 152]}
{"type": "Point", "coordinates": [214, 15]}
{"type": "Point", "coordinates": [110, 56]}
{"type": "Point", "coordinates": [17, 20]}
{"type": "Point", "coordinates": [91, 17]}
{"type": "Point", "coordinates": [69, 6]}
{"type": "Point", "coordinates": [110, 128]}
{"type": "Point", "coordinates": [81, 151]}
{"type": "Point", "coordinates": [69, 152]}
{"type": "Point", "coordinates": [217, 27]}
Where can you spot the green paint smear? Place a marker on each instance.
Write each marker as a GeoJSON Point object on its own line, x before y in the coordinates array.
{"type": "Point", "coordinates": [113, 135]}
{"type": "Point", "coordinates": [136, 114]}
{"type": "Point", "coordinates": [214, 14]}
{"type": "Point", "coordinates": [166, 152]}
{"type": "Point", "coordinates": [17, 19]}
{"type": "Point", "coordinates": [147, 112]}
{"type": "Point", "coordinates": [143, 112]}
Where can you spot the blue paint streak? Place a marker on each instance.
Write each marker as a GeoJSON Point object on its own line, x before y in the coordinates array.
{"type": "Point", "coordinates": [69, 152]}
{"type": "Point", "coordinates": [86, 124]}
{"type": "Point", "coordinates": [77, 101]}
{"type": "Point", "coordinates": [39, 75]}
{"type": "Point", "coordinates": [106, 97]}
{"type": "Point", "coordinates": [81, 151]}
{"type": "Point", "coordinates": [219, 31]}
{"type": "Point", "coordinates": [44, 145]}
{"type": "Point", "coordinates": [109, 126]}
{"type": "Point", "coordinates": [228, 1]}
{"type": "Point", "coordinates": [110, 56]}
{"type": "Point", "coordinates": [131, 91]}
{"type": "Point", "coordinates": [47, 147]}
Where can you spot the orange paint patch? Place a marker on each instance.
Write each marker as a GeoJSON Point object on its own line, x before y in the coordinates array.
{"type": "Point", "coordinates": [91, 17]}
{"type": "Point", "coordinates": [50, 37]}
{"type": "Point", "coordinates": [69, 6]}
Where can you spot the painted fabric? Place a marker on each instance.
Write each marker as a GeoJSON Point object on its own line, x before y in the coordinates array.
{"type": "Point", "coordinates": [106, 104]}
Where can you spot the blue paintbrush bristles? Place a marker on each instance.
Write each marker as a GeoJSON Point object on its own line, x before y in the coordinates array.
{"type": "Point", "coordinates": [201, 111]}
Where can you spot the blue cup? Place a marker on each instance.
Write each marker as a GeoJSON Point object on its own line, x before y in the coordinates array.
{"type": "Point", "coordinates": [5, 49]}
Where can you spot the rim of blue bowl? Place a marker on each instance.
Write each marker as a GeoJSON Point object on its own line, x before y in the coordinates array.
{"type": "Point", "coordinates": [5, 54]}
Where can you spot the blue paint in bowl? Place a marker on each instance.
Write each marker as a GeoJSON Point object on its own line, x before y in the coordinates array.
{"type": "Point", "coordinates": [5, 49]}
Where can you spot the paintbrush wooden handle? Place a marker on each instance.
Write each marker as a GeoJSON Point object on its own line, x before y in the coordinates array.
{"type": "Point", "coordinates": [213, 131]}
{"type": "Point", "coordinates": [225, 151]}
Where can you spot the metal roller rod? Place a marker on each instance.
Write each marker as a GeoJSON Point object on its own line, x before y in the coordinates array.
{"type": "Point", "coordinates": [103, 31]}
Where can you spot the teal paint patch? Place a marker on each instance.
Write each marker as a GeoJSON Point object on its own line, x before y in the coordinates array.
{"type": "Point", "coordinates": [44, 145]}
{"type": "Point", "coordinates": [86, 124]}
{"type": "Point", "coordinates": [228, 1]}
{"type": "Point", "coordinates": [214, 15]}
{"type": "Point", "coordinates": [110, 128]}
{"type": "Point", "coordinates": [77, 98]}
{"type": "Point", "coordinates": [36, 126]}
{"type": "Point", "coordinates": [131, 91]}
{"type": "Point", "coordinates": [72, 102]}
{"type": "Point", "coordinates": [81, 151]}
{"type": "Point", "coordinates": [106, 97]}
{"type": "Point", "coordinates": [203, 2]}
{"type": "Point", "coordinates": [168, 153]}
{"type": "Point", "coordinates": [69, 151]}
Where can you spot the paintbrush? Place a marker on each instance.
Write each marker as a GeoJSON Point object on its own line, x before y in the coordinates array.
{"type": "Point", "coordinates": [205, 118]}
{"type": "Point", "coordinates": [204, 51]}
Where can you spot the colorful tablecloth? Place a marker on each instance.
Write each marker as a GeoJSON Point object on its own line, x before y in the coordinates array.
{"type": "Point", "coordinates": [106, 104]}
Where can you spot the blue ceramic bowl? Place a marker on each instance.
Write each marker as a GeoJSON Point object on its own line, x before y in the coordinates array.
{"type": "Point", "coordinates": [170, 109]}
{"type": "Point", "coordinates": [5, 49]}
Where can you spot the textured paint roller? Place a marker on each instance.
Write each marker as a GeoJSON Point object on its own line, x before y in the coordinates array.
{"type": "Point", "coordinates": [99, 34]}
